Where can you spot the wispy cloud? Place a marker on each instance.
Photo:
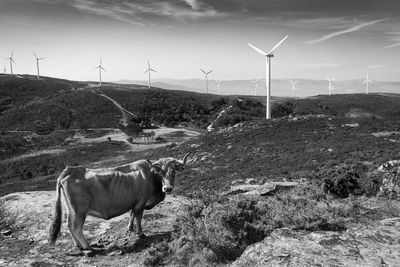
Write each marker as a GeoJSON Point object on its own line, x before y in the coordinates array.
{"type": "Point", "coordinates": [320, 65]}
{"type": "Point", "coordinates": [376, 66]}
{"type": "Point", "coordinates": [395, 39]}
{"type": "Point", "coordinates": [341, 32]}
{"type": "Point", "coordinates": [145, 12]}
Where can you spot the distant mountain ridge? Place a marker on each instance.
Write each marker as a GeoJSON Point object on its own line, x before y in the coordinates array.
{"type": "Point", "coordinates": [280, 87]}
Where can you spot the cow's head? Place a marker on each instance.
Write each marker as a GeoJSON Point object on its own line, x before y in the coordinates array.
{"type": "Point", "coordinates": [166, 168]}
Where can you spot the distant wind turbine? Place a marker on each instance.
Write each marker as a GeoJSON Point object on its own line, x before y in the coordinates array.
{"type": "Point", "coordinates": [330, 86]}
{"type": "Point", "coordinates": [11, 59]}
{"type": "Point", "coordinates": [149, 70]}
{"type": "Point", "coordinates": [268, 57]}
{"type": "Point", "coordinates": [37, 63]}
{"type": "Point", "coordinates": [100, 69]}
{"type": "Point", "coordinates": [206, 79]}
{"type": "Point", "coordinates": [4, 70]}
{"type": "Point", "coordinates": [294, 87]}
{"type": "Point", "coordinates": [255, 86]}
{"type": "Point", "coordinates": [218, 85]}
{"type": "Point", "coordinates": [367, 82]}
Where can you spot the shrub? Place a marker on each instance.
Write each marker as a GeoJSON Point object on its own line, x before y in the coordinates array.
{"type": "Point", "coordinates": [282, 109]}
{"type": "Point", "coordinates": [341, 180]}
{"type": "Point", "coordinates": [218, 230]}
{"type": "Point", "coordinates": [43, 127]}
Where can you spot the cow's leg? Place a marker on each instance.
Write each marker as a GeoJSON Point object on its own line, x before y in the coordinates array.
{"type": "Point", "coordinates": [70, 220]}
{"type": "Point", "coordinates": [77, 228]}
{"type": "Point", "coordinates": [70, 223]}
{"type": "Point", "coordinates": [131, 217]}
{"type": "Point", "coordinates": [138, 216]}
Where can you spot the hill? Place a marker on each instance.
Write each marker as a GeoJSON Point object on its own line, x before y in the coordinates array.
{"type": "Point", "coordinates": [281, 87]}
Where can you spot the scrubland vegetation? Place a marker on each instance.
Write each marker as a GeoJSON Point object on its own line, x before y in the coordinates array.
{"type": "Point", "coordinates": [325, 143]}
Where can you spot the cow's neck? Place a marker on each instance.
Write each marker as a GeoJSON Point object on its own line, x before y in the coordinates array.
{"type": "Point", "coordinates": [158, 195]}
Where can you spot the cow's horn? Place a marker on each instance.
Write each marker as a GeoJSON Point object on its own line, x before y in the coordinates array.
{"type": "Point", "coordinates": [185, 158]}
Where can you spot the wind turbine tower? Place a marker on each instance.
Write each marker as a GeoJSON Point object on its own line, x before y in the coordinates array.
{"type": "Point", "coordinates": [11, 59]}
{"type": "Point", "coordinates": [268, 57]}
{"type": "Point", "coordinates": [100, 69]}
{"type": "Point", "coordinates": [37, 63]}
{"type": "Point", "coordinates": [206, 79]}
{"type": "Point", "coordinates": [294, 87]}
{"type": "Point", "coordinates": [330, 86]}
{"type": "Point", "coordinates": [255, 86]}
{"type": "Point", "coordinates": [4, 69]}
{"type": "Point", "coordinates": [367, 82]}
{"type": "Point", "coordinates": [218, 85]}
{"type": "Point", "coordinates": [149, 70]}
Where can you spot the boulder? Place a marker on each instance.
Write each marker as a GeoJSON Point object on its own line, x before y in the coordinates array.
{"type": "Point", "coordinates": [266, 189]}
{"type": "Point", "coordinates": [372, 245]}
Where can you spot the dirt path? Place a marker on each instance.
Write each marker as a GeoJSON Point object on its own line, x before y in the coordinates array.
{"type": "Point", "coordinates": [30, 215]}
{"type": "Point", "coordinates": [125, 113]}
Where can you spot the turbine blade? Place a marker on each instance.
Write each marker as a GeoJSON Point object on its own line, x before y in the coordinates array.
{"type": "Point", "coordinates": [12, 60]}
{"type": "Point", "coordinates": [102, 68]}
{"type": "Point", "coordinates": [42, 58]}
{"type": "Point", "coordinates": [257, 49]}
{"type": "Point", "coordinates": [146, 71]}
{"type": "Point", "coordinates": [203, 71]}
{"type": "Point", "coordinates": [153, 70]}
{"type": "Point", "coordinates": [209, 72]}
{"type": "Point", "coordinates": [278, 44]}
{"type": "Point", "coordinates": [12, 54]}
{"type": "Point", "coordinates": [35, 55]}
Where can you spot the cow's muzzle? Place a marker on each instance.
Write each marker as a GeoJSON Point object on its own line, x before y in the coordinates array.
{"type": "Point", "coordinates": [167, 189]}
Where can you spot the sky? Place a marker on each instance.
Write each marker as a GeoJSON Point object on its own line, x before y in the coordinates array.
{"type": "Point", "coordinates": [344, 39]}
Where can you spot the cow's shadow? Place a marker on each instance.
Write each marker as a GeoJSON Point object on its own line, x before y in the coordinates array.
{"type": "Point", "coordinates": [138, 245]}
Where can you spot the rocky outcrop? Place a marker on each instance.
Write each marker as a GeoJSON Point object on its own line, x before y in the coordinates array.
{"type": "Point", "coordinates": [372, 245]}
{"type": "Point", "coordinates": [266, 189]}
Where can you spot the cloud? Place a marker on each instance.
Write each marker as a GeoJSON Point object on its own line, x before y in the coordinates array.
{"type": "Point", "coordinates": [320, 65]}
{"type": "Point", "coordinates": [395, 38]}
{"type": "Point", "coordinates": [145, 12]}
{"type": "Point", "coordinates": [341, 32]}
{"type": "Point", "coordinates": [376, 66]}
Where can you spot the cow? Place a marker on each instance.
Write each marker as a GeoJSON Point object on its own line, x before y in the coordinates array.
{"type": "Point", "coordinates": [109, 192]}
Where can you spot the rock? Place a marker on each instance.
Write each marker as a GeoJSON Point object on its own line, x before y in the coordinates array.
{"type": "Point", "coordinates": [251, 181]}
{"type": "Point", "coordinates": [6, 232]}
{"type": "Point", "coordinates": [240, 189]}
{"type": "Point", "coordinates": [88, 253]}
{"type": "Point", "coordinates": [266, 189]}
{"type": "Point", "coordinates": [369, 245]}
{"type": "Point", "coordinates": [270, 188]}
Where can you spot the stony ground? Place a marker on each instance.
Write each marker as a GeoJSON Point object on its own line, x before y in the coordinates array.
{"type": "Point", "coordinates": [23, 238]}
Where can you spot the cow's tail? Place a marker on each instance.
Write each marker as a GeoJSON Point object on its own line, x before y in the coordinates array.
{"type": "Point", "coordinates": [56, 224]}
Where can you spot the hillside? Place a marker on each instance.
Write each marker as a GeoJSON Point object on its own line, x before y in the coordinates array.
{"type": "Point", "coordinates": [280, 87]}
{"type": "Point", "coordinates": [51, 104]}
{"type": "Point", "coordinates": [308, 174]}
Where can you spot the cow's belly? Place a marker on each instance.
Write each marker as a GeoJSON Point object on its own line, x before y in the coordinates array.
{"type": "Point", "coordinates": [110, 210]}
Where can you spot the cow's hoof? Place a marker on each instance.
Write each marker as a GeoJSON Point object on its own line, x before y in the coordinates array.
{"type": "Point", "coordinates": [88, 253]}
{"type": "Point", "coordinates": [141, 235]}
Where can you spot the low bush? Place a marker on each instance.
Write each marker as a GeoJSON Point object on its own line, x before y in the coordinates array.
{"type": "Point", "coordinates": [217, 230]}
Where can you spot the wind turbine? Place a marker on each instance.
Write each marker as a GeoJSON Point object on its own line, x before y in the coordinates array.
{"type": "Point", "coordinates": [330, 87]}
{"type": "Point", "coordinates": [367, 82]}
{"type": "Point", "coordinates": [37, 63]}
{"type": "Point", "coordinates": [268, 57]}
{"type": "Point", "coordinates": [293, 87]}
{"type": "Point", "coordinates": [149, 70]}
{"type": "Point", "coordinates": [218, 84]}
{"type": "Point", "coordinates": [206, 79]}
{"type": "Point", "coordinates": [100, 69]}
{"type": "Point", "coordinates": [4, 69]}
{"type": "Point", "coordinates": [11, 59]}
{"type": "Point", "coordinates": [255, 86]}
